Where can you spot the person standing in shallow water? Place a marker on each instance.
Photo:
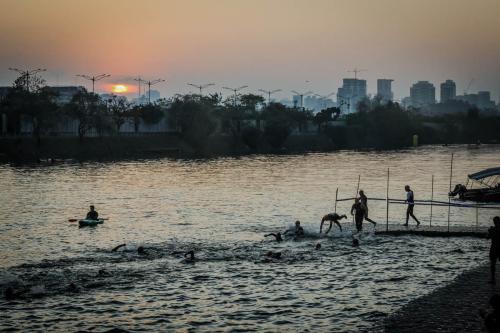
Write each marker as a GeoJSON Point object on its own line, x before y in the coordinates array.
{"type": "Point", "coordinates": [411, 203]}
{"type": "Point", "coordinates": [494, 235]}
{"type": "Point", "coordinates": [358, 211]}
{"type": "Point", "coordinates": [364, 200]}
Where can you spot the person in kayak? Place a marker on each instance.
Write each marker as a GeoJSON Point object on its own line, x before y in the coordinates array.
{"type": "Point", "coordinates": [358, 210]}
{"type": "Point", "coordinates": [298, 231]}
{"type": "Point", "coordinates": [494, 235]}
{"type": "Point", "coordinates": [92, 215]}
{"type": "Point", "coordinates": [364, 201]}
{"type": "Point", "coordinates": [411, 203]}
{"type": "Point", "coordinates": [277, 236]}
{"type": "Point", "coordinates": [332, 218]}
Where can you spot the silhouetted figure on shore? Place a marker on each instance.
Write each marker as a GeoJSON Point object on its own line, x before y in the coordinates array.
{"type": "Point", "coordinates": [298, 231]}
{"type": "Point", "coordinates": [411, 204]}
{"type": "Point", "coordinates": [364, 200]}
{"type": "Point", "coordinates": [276, 236]}
{"type": "Point", "coordinates": [92, 214]}
{"type": "Point", "coordinates": [358, 211]}
{"type": "Point", "coordinates": [494, 235]}
{"type": "Point", "coordinates": [332, 218]}
{"type": "Point", "coordinates": [492, 319]}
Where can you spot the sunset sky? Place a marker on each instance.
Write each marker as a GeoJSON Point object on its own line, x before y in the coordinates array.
{"type": "Point", "coordinates": [269, 44]}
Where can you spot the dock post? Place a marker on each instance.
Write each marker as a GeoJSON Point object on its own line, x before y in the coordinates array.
{"type": "Point", "coordinates": [387, 204]}
{"type": "Point", "coordinates": [336, 196]}
{"type": "Point", "coordinates": [449, 198]}
{"type": "Point", "coordinates": [477, 217]}
{"type": "Point", "coordinates": [432, 199]}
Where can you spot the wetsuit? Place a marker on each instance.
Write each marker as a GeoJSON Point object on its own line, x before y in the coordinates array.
{"type": "Point", "coordinates": [359, 215]}
{"type": "Point", "coordinates": [92, 215]}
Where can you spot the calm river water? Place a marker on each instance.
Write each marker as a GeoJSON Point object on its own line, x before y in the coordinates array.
{"type": "Point", "coordinates": [221, 208]}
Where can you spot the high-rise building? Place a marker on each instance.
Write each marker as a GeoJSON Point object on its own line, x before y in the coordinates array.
{"type": "Point", "coordinates": [484, 100]}
{"type": "Point", "coordinates": [350, 94]}
{"type": "Point", "coordinates": [422, 93]}
{"type": "Point", "coordinates": [448, 91]}
{"type": "Point", "coordinates": [384, 89]}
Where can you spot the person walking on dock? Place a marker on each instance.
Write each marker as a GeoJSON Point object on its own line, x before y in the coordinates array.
{"type": "Point", "coordinates": [411, 203]}
{"type": "Point", "coordinates": [364, 200]}
{"type": "Point", "coordinates": [494, 235]}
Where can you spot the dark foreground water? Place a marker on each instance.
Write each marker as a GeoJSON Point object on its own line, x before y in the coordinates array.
{"type": "Point", "coordinates": [67, 279]}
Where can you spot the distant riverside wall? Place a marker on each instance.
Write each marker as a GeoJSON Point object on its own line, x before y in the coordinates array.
{"type": "Point", "coordinates": [26, 148]}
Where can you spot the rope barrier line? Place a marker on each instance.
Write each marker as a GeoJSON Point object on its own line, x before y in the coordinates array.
{"type": "Point", "coordinates": [431, 202]}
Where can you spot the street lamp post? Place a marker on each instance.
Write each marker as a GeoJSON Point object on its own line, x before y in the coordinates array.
{"type": "Point", "coordinates": [235, 90]}
{"type": "Point", "coordinates": [269, 93]}
{"type": "Point", "coordinates": [151, 83]}
{"type": "Point", "coordinates": [302, 97]}
{"type": "Point", "coordinates": [93, 78]}
{"type": "Point", "coordinates": [201, 86]}
{"type": "Point", "coordinates": [26, 74]}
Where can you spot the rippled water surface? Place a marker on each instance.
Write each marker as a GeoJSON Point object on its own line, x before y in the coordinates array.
{"type": "Point", "coordinates": [67, 278]}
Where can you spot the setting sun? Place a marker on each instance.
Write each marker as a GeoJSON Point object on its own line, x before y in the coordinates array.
{"type": "Point", "coordinates": [120, 88]}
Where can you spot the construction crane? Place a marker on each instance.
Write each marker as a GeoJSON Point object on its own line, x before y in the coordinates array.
{"type": "Point", "coordinates": [269, 93]}
{"type": "Point", "coordinates": [466, 90]}
{"type": "Point", "coordinates": [302, 97]}
{"type": "Point", "coordinates": [201, 86]}
{"type": "Point", "coordinates": [235, 90]}
{"type": "Point", "coordinates": [356, 71]}
{"type": "Point", "coordinates": [139, 81]}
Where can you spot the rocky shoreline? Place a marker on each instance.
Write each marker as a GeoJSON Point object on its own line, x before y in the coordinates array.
{"type": "Point", "coordinates": [451, 308]}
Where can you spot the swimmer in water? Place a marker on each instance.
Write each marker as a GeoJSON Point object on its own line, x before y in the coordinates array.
{"type": "Point", "coordinates": [118, 247]}
{"type": "Point", "coordinates": [189, 257]}
{"type": "Point", "coordinates": [332, 218]}
{"type": "Point", "coordinates": [273, 255]}
{"type": "Point", "coordinates": [298, 231]}
{"type": "Point", "coordinates": [277, 236]}
{"type": "Point", "coordinates": [355, 242]}
{"type": "Point", "coordinates": [140, 249]}
{"type": "Point", "coordinates": [318, 246]}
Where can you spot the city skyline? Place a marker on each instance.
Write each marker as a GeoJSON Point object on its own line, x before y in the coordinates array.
{"type": "Point", "coordinates": [312, 47]}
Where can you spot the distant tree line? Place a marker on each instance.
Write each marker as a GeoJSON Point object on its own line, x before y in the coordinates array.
{"type": "Point", "coordinates": [249, 122]}
{"type": "Point", "coordinates": [31, 98]}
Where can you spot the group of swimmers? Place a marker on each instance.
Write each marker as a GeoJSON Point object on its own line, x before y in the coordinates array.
{"type": "Point", "coordinates": [359, 210]}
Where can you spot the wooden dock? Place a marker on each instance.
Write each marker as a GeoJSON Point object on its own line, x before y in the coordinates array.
{"type": "Point", "coordinates": [433, 231]}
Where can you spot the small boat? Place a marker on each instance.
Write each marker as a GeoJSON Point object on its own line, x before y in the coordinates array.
{"type": "Point", "coordinates": [90, 223]}
{"type": "Point", "coordinates": [488, 192]}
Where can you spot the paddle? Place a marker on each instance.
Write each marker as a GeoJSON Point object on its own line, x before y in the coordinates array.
{"type": "Point", "coordinates": [75, 220]}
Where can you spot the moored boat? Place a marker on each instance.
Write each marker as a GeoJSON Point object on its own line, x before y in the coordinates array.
{"type": "Point", "coordinates": [489, 190]}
